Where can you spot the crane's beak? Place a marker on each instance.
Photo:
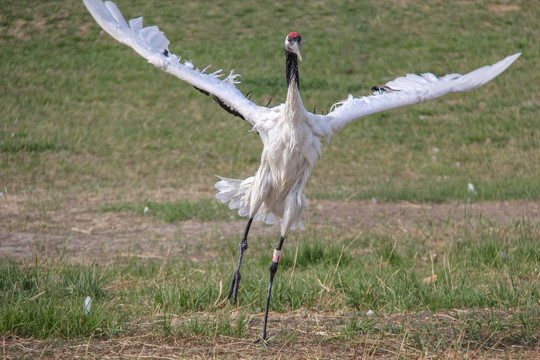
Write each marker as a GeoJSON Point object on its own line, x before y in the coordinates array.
{"type": "Point", "coordinates": [297, 51]}
{"type": "Point", "coordinates": [295, 48]}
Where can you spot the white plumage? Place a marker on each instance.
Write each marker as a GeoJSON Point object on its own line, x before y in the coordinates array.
{"type": "Point", "coordinates": [291, 148]}
{"type": "Point", "coordinates": [291, 135]}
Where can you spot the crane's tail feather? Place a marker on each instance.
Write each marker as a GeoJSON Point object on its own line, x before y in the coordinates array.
{"type": "Point", "coordinates": [234, 192]}
{"type": "Point", "coordinates": [230, 191]}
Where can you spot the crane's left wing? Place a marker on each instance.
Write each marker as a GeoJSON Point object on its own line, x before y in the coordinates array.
{"type": "Point", "coordinates": [151, 43]}
{"type": "Point", "coordinates": [412, 89]}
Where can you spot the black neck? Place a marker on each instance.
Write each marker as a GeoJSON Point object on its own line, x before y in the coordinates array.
{"type": "Point", "coordinates": [292, 69]}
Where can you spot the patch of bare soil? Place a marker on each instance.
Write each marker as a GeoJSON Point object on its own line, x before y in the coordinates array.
{"type": "Point", "coordinates": [503, 8]}
{"type": "Point", "coordinates": [350, 214]}
{"type": "Point", "coordinates": [87, 235]}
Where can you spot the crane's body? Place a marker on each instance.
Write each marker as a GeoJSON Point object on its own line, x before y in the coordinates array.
{"type": "Point", "coordinates": [291, 139]}
{"type": "Point", "coordinates": [290, 134]}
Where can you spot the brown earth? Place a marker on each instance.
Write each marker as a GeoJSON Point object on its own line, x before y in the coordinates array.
{"type": "Point", "coordinates": [88, 235]}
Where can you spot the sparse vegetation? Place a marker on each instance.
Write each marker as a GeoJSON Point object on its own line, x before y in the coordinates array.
{"type": "Point", "coordinates": [206, 209]}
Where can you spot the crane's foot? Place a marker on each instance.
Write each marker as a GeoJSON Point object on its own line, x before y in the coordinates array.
{"type": "Point", "coordinates": [233, 289]}
{"type": "Point", "coordinates": [235, 281]}
{"type": "Point", "coordinates": [261, 340]}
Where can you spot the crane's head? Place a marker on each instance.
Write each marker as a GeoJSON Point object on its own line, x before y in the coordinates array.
{"type": "Point", "coordinates": [293, 43]}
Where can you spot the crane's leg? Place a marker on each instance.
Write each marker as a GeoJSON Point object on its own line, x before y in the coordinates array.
{"type": "Point", "coordinates": [235, 281]}
{"type": "Point", "coordinates": [273, 268]}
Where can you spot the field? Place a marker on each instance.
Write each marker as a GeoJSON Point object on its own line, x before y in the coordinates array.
{"type": "Point", "coordinates": [107, 170]}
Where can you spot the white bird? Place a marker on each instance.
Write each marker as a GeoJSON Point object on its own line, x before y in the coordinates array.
{"type": "Point", "coordinates": [290, 134]}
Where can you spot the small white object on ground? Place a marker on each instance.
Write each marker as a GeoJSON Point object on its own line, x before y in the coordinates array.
{"type": "Point", "coordinates": [87, 305]}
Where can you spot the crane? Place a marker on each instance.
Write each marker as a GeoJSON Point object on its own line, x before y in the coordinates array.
{"type": "Point", "coordinates": [290, 134]}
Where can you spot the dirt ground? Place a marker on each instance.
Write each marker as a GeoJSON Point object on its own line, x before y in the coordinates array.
{"type": "Point", "coordinates": [88, 235]}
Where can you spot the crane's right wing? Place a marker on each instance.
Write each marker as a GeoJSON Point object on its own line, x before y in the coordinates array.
{"type": "Point", "coordinates": [412, 89]}
{"type": "Point", "coordinates": [151, 44]}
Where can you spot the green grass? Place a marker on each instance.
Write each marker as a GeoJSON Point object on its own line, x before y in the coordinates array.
{"type": "Point", "coordinates": [79, 106]}
{"type": "Point", "coordinates": [206, 209]}
{"type": "Point", "coordinates": [487, 270]}
{"type": "Point", "coordinates": [46, 301]}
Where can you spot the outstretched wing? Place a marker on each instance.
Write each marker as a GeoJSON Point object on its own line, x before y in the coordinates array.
{"type": "Point", "coordinates": [151, 44]}
{"type": "Point", "coordinates": [412, 89]}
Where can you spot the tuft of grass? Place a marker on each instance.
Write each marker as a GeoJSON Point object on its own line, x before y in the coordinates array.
{"type": "Point", "coordinates": [312, 251]}
{"type": "Point", "coordinates": [358, 326]}
{"type": "Point", "coordinates": [84, 281]}
{"type": "Point", "coordinates": [197, 293]}
{"type": "Point", "coordinates": [47, 302]}
{"type": "Point", "coordinates": [28, 146]}
{"type": "Point", "coordinates": [220, 324]}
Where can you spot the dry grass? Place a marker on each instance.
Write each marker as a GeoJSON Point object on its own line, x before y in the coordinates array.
{"type": "Point", "coordinates": [298, 335]}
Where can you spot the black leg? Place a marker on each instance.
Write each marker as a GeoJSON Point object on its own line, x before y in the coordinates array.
{"type": "Point", "coordinates": [235, 281]}
{"type": "Point", "coordinates": [273, 268]}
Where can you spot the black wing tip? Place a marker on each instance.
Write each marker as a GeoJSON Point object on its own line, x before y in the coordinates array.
{"type": "Point", "coordinates": [227, 108]}
{"type": "Point", "coordinates": [202, 91]}
{"type": "Point", "coordinates": [382, 89]}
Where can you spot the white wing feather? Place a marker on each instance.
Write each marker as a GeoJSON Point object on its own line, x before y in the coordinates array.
{"type": "Point", "coordinates": [413, 89]}
{"type": "Point", "coordinates": [151, 44]}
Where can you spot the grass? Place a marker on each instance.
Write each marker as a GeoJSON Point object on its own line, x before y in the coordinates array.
{"type": "Point", "coordinates": [201, 210]}
{"type": "Point", "coordinates": [46, 301]}
{"type": "Point", "coordinates": [60, 120]}
{"type": "Point", "coordinates": [87, 127]}
{"type": "Point", "coordinates": [483, 276]}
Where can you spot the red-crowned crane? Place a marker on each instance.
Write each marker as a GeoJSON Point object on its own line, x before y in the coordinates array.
{"type": "Point", "coordinates": [290, 134]}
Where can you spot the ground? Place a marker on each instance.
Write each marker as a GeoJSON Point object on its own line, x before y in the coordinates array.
{"type": "Point", "coordinates": [95, 236]}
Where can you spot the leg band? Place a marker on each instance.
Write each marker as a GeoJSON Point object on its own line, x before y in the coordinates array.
{"type": "Point", "coordinates": [276, 256]}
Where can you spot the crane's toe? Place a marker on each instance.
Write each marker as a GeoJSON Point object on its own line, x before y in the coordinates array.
{"type": "Point", "coordinates": [233, 289]}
